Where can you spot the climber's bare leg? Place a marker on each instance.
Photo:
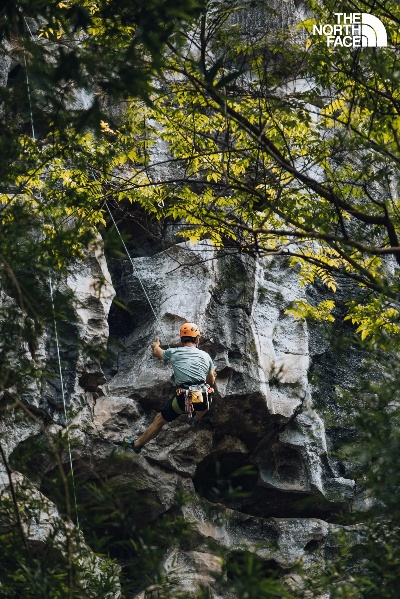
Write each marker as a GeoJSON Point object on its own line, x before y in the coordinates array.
{"type": "Point", "coordinates": [152, 431]}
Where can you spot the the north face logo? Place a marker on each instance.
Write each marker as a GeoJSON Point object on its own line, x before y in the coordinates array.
{"type": "Point", "coordinates": [353, 30]}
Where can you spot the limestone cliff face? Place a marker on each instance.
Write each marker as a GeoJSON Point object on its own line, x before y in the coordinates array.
{"type": "Point", "coordinates": [41, 411]}
{"type": "Point", "coordinates": [265, 432]}
{"type": "Point", "coordinates": [262, 423]}
{"type": "Point", "coordinates": [263, 402]}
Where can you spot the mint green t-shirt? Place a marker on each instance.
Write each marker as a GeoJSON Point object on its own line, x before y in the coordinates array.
{"type": "Point", "coordinates": [190, 365]}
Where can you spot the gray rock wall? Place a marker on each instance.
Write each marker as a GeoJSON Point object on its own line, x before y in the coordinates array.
{"type": "Point", "coordinates": [262, 417]}
{"type": "Point", "coordinates": [262, 433]}
{"type": "Point", "coordinates": [264, 436]}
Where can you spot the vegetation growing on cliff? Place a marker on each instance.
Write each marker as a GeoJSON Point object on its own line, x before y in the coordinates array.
{"type": "Point", "coordinates": [286, 146]}
{"type": "Point", "coordinates": [277, 145]}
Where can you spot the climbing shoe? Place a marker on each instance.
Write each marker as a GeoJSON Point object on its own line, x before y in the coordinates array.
{"type": "Point", "coordinates": [131, 444]}
{"type": "Point", "coordinates": [195, 422]}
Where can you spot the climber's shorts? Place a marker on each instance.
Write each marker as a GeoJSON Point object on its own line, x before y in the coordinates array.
{"type": "Point", "coordinates": [176, 406]}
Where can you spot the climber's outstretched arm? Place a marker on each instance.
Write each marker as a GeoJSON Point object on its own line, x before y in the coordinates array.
{"type": "Point", "coordinates": [157, 351]}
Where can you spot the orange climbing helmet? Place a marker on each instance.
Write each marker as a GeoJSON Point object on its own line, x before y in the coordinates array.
{"type": "Point", "coordinates": [189, 329]}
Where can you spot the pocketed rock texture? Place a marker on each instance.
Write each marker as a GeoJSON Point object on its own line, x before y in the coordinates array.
{"type": "Point", "coordinates": [40, 412]}
{"type": "Point", "coordinates": [262, 433]}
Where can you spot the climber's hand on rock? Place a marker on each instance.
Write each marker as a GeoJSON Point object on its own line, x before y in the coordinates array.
{"type": "Point", "coordinates": [157, 351]}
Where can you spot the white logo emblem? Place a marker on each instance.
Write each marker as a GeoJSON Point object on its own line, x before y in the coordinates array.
{"type": "Point", "coordinates": [353, 30]}
{"type": "Point", "coordinates": [373, 32]}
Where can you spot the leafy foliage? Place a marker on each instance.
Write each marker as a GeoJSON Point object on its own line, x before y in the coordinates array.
{"type": "Point", "coordinates": [303, 309]}
{"type": "Point", "coordinates": [59, 150]}
{"type": "Point", "coordinates": [374, 319]}
{"type": "Point", "coordinates": [366, 562]}
{"type": "Point", "coordinates": [277, 145]}
{"type": "Point", "coordinates": [66, 69]}
{"type": "Point", "coordinates": [281, 145]}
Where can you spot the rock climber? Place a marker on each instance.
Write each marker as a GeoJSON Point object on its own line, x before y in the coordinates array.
{"type": "Point", "coordinates": [194, 373]}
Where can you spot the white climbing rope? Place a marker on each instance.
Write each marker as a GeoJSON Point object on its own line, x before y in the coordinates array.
{"type": "Point", "coordinates": [63, 399]}
{"type": "Point", "coordinates": [52, 299]}
{"type": "Point", "coordinates": [63, 394]}
{"type": "Point", "coordinates": [135, 271]}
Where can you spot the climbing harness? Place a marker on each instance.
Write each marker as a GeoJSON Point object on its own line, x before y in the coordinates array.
{"type": "Point", "coordinates": [195, 394]}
